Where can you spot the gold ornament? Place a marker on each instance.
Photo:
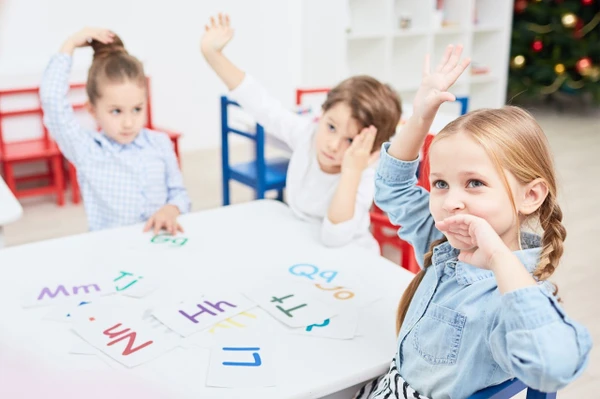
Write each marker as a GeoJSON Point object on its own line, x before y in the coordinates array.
{"type": "Point", "coordinates": [559, 69]}
{"type": "Point", "coordinates": [569, 20]}
{"type": "Point", "coordinates": [538, 1]}
{"type": "Point", "coordinates": [518, 62]}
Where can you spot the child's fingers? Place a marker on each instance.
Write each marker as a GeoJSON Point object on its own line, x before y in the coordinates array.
{"type": "Point", "coordinates": [445, 58]}
{"type": "Point", "coordinates": [212, 22]}
{"type": "Point", "coordinates": [179, 228]}
{"type": "Point", "coordinates": [446, 96]}
{"type": "Point", "coordinates": [149, 224]}
{"type": "Point", "coordinates": [370, 137]}
{"type": "Point", "coordinates": [454, 74]}
{"type": "Point", "coordinates": [227, 21]}
{"type": "Point", "coordinates": [357, 142]}
{"type": "Point", "coordinates": [158, 225]}
{"type": "Point", "coordinates": [221, 22]}
{"type": "Point", "coordinates": [453, 61]}
{"type": "Point", "coordinates": [169, 227]}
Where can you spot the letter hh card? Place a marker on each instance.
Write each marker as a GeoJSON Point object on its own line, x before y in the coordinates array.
{"type": "Point", "coordinates": [192, 316]}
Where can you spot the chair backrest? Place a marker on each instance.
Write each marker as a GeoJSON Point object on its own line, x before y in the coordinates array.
{"type": "Point", "coordinates": [464, 104]}
{"type": "Point", "coordinates": [301, 92]}
{"type": "Point", "coordinates": [509, 389]}
{"type": "Point", "coordinates": [21, 111]}
{"type": "Point", "coordinates": [258, 136]}
{"type": "Point", "coordinates": [30, 110]}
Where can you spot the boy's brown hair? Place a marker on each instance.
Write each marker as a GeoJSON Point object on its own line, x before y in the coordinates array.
{"type": "Point", "coordinates": [371, 103]}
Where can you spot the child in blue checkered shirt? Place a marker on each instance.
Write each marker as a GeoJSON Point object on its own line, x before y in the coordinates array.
{"type": "Point", "coordinates": [128, 174]}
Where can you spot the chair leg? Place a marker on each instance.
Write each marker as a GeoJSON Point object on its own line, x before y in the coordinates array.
{"type": "Point", "coordinates": [75, 192]}
{"type": "Point", "coordinates": [9, 176]}
{"type": "Point", "coordinates": [226, 191]}
{"type": "Point", "coordinates": [50, 167]}
{"type": "Point", "coordinates": [280, 195]}
{"type": "Point", "coordinates": [533, 394]}
{"type": "Point", "coordinates": [378, 235]}
{"type": "Point", "coordinates": [58, 178]}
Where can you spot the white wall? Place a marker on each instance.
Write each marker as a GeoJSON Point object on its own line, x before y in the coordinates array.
{"type": "Point", "coordinates": [268, 43]}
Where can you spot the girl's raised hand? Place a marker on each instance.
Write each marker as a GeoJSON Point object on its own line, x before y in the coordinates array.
{"type": "Point", "coordinates": [433, 90]}
{"type": "Point", "coordinates": [477, 241]}
{"type": "Point", "coordinates": [85, 36]}
{"type": "Point", "coordinates": [218, 34]}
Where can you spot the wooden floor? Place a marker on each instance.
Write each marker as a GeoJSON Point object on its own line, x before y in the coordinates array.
{"type": "Point", "coordinates": [575, 138]}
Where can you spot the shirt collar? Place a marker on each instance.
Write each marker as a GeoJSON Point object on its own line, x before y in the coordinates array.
{"type": "Point", "coordinates": [444, 255]}
{"type": "Point", "coordinates": [140, 141]}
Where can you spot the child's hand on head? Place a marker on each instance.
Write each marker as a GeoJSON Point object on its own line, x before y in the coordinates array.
{"type": "Point", "coordinates": [478, 241]}
{"type": "Point", "coordinates": [358, 156]}
{"type": "Point", "coordinates": [165, 218]}
{"type": "Point", "coordinates": [217, 35]}
{"type": "Point", "coordinates": [433, 90]}
{"type": "Point", "coordinates": [84, 37]}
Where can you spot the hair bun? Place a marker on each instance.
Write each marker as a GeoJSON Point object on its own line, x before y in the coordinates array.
{"type": "Point", "coordinates": [102, 50]}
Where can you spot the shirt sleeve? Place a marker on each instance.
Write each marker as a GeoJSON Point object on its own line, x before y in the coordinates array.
{"type": "Point", "coordinates": [277, 120]}
{"type": "Point", "coordinates": [74, 141]}
{"type": "Point", "coordinates": [406, 204]}
{"type": "Point", "coordinates": [176, 193]}
{"type": "Point", "coordinates": [340, 234]}
{"type": "Point", "coordinates": [532, 339]}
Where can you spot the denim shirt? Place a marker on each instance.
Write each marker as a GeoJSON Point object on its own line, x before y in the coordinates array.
{"type": "Point", "coordinates": [460, 334]}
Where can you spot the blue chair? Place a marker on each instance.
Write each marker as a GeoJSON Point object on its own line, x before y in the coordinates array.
{"type": "Point", "coordinates": [261, 174]}
{"type": "Point", "coordinates": [464, 104]}
{"type": "Point", "coordinates": [508, 389]}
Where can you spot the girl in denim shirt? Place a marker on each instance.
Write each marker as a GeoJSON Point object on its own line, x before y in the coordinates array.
{"type": "Point", "coordinates": [481, 311]}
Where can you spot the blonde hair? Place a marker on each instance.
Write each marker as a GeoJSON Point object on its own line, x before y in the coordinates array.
{"type": "Point", "coordinates": [515, 142]}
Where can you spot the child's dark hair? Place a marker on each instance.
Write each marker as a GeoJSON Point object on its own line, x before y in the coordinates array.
{"type": "Point", "coordinates": [371, 103]}
{"type": "Point", "coordinates": [112, 64]}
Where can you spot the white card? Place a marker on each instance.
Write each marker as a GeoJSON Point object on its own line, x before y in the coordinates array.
{"type": "Point", "coordinates": [80, 347]}
{"type": "Point", "coordinates": [189, 317]}
{"type": "Point", "coordinates": [252, 321]}
{"type": "Point", "coordinates": [130, 342]}
{"type": "Point", "coordinates": [341, 326]}
{"type": "Point", "coordinates": [291, 303]}
{"type": "Point", "coordinates": [242, 361]}
{"type": "Point", "coordinates": [81, 289]}
{"type": "Point", "coordinates": [133, 284]}
{"type": "Point", "coordinates": [65, 313]}
{"type": "Point", "coordinates": [160, 242]}
{"type": "Point", "coordinates": [344, 297]}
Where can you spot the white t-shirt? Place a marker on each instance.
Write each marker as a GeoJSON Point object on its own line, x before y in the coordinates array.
{"type": "Point", "coordinates": [309, 189]}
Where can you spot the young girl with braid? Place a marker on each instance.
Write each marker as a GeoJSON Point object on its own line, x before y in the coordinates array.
{"type": "Point", "coordinates": [481, 310]}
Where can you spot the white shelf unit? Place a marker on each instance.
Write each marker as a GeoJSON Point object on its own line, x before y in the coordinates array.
{"type": "Point", "coordinates": [377, 44]}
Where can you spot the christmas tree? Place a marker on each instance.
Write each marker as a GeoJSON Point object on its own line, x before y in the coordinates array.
{"type": "Point", "coordinates": [555, 48]}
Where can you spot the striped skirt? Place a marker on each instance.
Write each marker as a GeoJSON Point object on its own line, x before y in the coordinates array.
{"type": "Point", "coordinates": [388, 386]}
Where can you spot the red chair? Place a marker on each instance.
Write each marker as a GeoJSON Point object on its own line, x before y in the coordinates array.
{"type": "Point", "coordinates": [174, 136]}
{"type": "Point", "coordinates": [36, 149]}
{"type": "Point", "coordinates": [380, 222]}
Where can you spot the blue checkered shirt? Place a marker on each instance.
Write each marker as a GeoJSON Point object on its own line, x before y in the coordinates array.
{"type": "Point", "coordinates": [120, 184]}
